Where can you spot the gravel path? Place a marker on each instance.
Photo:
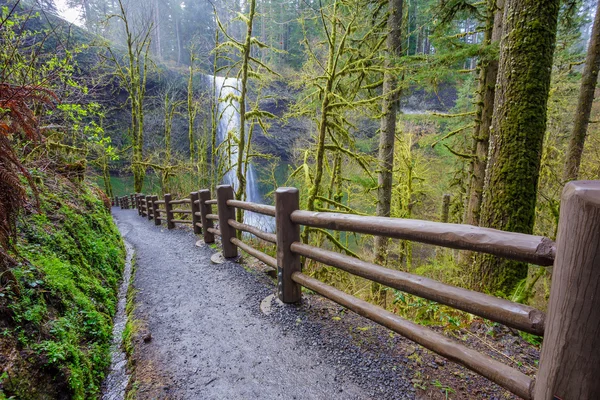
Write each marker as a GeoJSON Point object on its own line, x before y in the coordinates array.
{"type": "Point", "coordinates": [206, 338]}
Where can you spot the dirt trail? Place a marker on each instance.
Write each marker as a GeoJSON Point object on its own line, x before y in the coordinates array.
{"type": "Point", "coordinates": [209, 339]}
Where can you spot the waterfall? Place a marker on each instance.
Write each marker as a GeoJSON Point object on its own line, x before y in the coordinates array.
{"type": "Point", "coordinates": [229, 121]}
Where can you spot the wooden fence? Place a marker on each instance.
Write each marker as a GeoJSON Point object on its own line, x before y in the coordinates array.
{"type": "Point", "coordinates": [570, 359]}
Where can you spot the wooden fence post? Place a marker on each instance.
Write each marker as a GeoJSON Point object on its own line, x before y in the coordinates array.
{"type": "Point", "coordinates": [137, 203]}
{"type": "Point", "coordinates": [195, 213]}
{"type": "Point", "coordinates": [144, 205]}
{"type": "Point", "coordinates": [224, 193]}
{"type": "Point", "coordinates": [155, 211]}
{"type": "Point", "coordinates": [445, 208]}
{"type": "Point", "coordinates": [287, 200]}
{"type": "Point", "coordinates": [570, 360]}
{"type": "Point", "coordinates": [132, 200]}
{"type": "Point", "coordinates": [169, 211]}
{"type": "Point", "coordinates": [204, 195]}
{"type": "Point", "coordinates": [121, 203]}
{"type": "Point", "coordinates": [116, 201]}
{"type": "Point", "coordinates": [149, 205]}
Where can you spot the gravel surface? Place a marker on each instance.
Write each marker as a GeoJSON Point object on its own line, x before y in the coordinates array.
{"type": "Point", "coordinates": [203, 335]}
{"type": "Point", "coordinates": [214, 331]}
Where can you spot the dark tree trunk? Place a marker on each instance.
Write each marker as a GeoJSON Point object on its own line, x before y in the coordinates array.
{"type": "Point", "coordinates": [517, 133]}
{"type": "Point", "coordinates": [388, 123]}
{"type": "Point", "coordinates": [485, 110]}
{"type": "Point", "coordinates": [584, 104]}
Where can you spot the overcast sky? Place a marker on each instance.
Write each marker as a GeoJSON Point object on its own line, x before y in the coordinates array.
{"type": "Point", "coordinates": [70, 14]}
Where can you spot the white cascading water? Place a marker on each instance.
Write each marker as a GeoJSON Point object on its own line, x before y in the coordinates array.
{"type": "Point", "coordinates": [229, 121]}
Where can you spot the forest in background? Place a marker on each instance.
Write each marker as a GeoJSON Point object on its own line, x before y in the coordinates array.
{"type": "Point", "coordinates": [378, 107]}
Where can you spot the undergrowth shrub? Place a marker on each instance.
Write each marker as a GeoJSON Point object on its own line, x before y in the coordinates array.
{"type": "Point", "coordinates": [58, 321]}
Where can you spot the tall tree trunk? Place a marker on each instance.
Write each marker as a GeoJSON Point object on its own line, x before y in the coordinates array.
{"type": "Point", "coordinates": [157, 29]}
{"type": "Point", "coordinates": [240, 194]}
{"type": "Point", "coordinates": [389, 109]}
{"type": "Point", "coordinates": [485, 111]}
{"type": "Point", "coordinates": [517, 133]}
{"type": "Point", "coordinates": [178, 37]}
{"type": "Point", "coordinates": [584, 103]}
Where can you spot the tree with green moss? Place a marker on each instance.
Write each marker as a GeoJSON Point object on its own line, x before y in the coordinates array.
{"type": "Point", "coordinates": [517, 132]}
{"type": "Point", "coordinates": [387, 133]}
{"type": "Point", "coordinates": [339, 78]}
{"type": "Point", "coordinates": [132, 71]}
{"type": "Point", "coordinates": [584, 103]}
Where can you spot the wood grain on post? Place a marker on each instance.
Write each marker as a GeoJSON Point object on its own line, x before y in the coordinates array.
{"type": "Point", "coordinates": [224, 193]}
{"type": "Point", "coordinates": [150, 206]}
{"type": "Point", "coordinates": [132, 200]}
{"type": "Point", "coordinates": [137, 203]}
{"type": "Point", "coordinates": [287, 200]}
{"type": "Point", "coordinates": [207, 224]}
{"type": "Point", "coordinates": [169, 211]}
{"type": "Point", "coordinates": [570, 360]}
{"type": "Point", "coordinates": [195, 209]}
{"type": "Point", "coordinates": [155, 210]}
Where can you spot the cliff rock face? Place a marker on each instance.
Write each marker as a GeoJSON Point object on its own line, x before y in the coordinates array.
{"type": "Point", "coordinates": [418, 100]}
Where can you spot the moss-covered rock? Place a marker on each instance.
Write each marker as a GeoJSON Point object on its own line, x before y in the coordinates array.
{"type": "Point", "coordinates": [56, 320]}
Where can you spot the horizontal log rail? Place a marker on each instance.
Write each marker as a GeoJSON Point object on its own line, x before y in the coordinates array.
{"type": "Point", "coordinates": [159, 202]}
{"type": "Point", "coordinates": [180, 201]}
{"type": "Point", "coordinates": [214, 231]}
{"type": "Point", "coordinates": [537, 250]}
{"type": "Point", "coordinates": [570, 359]}
{"type": "Point", "coordinates": [257, 208]}
{"type": "Point", "coordinates": [267, 259]}
{"type": "Point", "coordinates": [505, 376]}
{"type": "Point", "coordinates": [268, 237]}
{"type": "Point", "coordinates": [515, 315]}
{"type": "Point", "coordinates": [182, 211]}
{"type": "Point", "coordinates": [182, 221]}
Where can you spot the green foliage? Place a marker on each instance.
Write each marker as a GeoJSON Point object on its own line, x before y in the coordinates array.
{"type": "Point", "coordinates": [67, 286]}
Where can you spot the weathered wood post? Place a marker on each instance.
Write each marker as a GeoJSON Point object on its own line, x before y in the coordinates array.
{"type": "Point", "coordinates": [224, 193]}
{"type": "Point", "coordinates": [144, 206]}
{"type": "Point", "coordinates": [287, 200]}
{"type": "Point", "coordinates": [137, 203]}
{"type": "Point", "coordinates": [122, 203]}
{"type": "Point", "coordinates": [155, 210]}
{"type": "Point", "coordinates": [570, 360]}
{"type": "Point", "coordinates": [195, 202]}
{"type": "Point", "coordinates": [445, 208]}
{"type": "Point", "coordinates": [169, 211]}
{"type": "Point", "coordinates": [205, 209]}
{"type": "Point", "coordinates": [132, 200]}
{"type": "Point", "coordinates": [116, 201]}
{"type": "Point", "coordinates": [149, 210]}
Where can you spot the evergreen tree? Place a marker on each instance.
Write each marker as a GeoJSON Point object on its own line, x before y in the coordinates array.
{"type": "Point", "coordinates": [517, 132]}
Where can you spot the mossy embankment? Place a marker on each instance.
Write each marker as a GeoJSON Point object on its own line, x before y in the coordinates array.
{"type": "Point", "coordinates": [56, 308]}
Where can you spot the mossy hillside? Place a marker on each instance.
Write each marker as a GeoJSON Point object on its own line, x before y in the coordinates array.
{"type": "Point", "coordinates": [58, 324]}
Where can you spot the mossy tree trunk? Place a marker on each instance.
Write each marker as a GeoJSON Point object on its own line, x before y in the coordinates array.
{"type": "Point", "coordinates": [240, 193]}
{"type": "Point", "coordinates": [389, 107]}
{"type": "Point", "coordinates": [517, 132]}
{"type": "Point", "coordinates": [132, 73]}
{"type": "Point", "coordinates": [485, 111]}
{"type": "Point", "coordinates": [584, 103]}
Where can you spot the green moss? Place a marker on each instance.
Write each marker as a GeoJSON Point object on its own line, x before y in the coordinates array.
{"type": "Point", "coordinates": [73, 258]}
